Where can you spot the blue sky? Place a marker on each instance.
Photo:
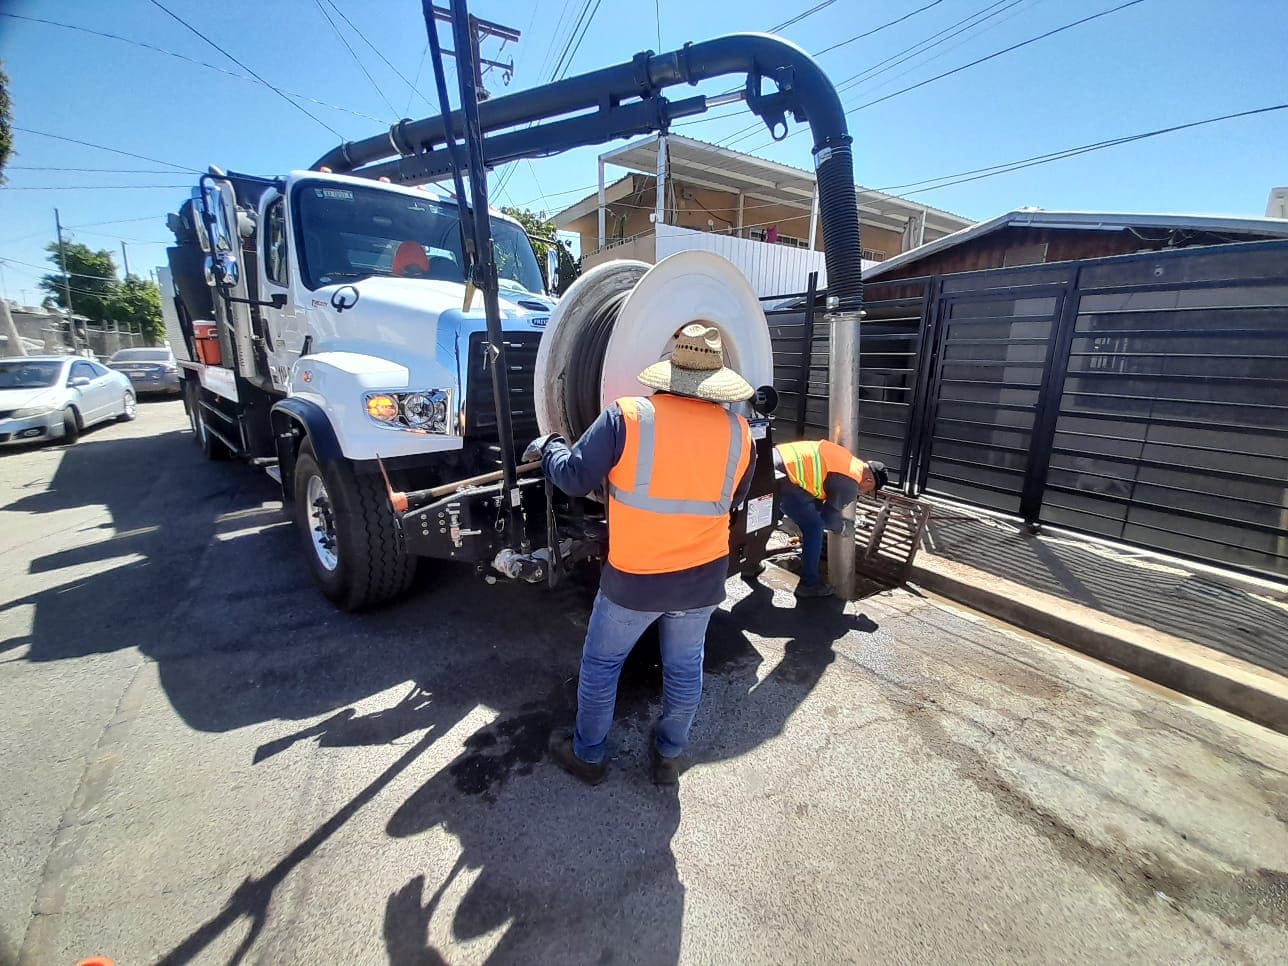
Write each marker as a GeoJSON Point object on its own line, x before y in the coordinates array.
{"type": "Point", "coordinates": [1157, 63]}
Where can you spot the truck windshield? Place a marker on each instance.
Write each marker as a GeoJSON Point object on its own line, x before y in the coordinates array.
{"type": "Point", "coordinates": [349, 232]}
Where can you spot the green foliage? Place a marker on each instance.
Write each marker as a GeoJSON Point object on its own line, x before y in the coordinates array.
{"type": "Point", "coordinates": [93, 279]}
{"type": "Point", "coordinates": [542, 234]}
{"type": "Point", "coordinates": [97, 294]}
{"type": "Point", "coordinates": [136, 304]}
{"type": "Point", "coordinates": [6, 122]}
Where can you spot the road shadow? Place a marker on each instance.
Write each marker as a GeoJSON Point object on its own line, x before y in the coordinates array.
{"type": "Point", "coordinates": [1195, 606]}
{"type": "Point", "coordinates": [199, 569]}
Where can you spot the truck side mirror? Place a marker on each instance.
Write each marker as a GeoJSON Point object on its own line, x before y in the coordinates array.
{"type": "Point", "coordinates": [552, 268]}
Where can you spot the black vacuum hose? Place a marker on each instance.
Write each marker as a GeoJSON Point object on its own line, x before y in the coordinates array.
{"type": "Point", "coordinates": [586, 366]}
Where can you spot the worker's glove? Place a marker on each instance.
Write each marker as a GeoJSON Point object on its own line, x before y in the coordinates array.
{"type": "Point", "coordinates": [538, 446]}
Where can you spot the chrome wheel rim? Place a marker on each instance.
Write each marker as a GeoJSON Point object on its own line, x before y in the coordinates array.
{"type": "Point", "coordinates": [130, 404]}
{"type": "Point", "coordinates": [322, 524]}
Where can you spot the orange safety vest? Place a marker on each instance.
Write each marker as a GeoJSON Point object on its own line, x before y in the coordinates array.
{"type": "Point", "coordinates": [671, 493]}
{"type": "Point", "coordinates": [807, 465]}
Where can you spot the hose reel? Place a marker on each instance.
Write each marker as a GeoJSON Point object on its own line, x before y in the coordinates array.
{"type": "Point", "coordinates": [622, 316]}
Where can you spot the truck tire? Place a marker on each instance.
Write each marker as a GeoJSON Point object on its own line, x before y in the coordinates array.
{"type": "Point", "coordinates": [210, 446]}
{"type": "Point", "coordinates": [349, 534]}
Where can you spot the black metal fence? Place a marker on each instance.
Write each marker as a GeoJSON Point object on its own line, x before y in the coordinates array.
{"type": "Point", "coordinates": [1143, 398]}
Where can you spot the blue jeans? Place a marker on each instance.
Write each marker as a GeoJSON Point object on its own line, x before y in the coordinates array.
{"type": "Point", "coordinates": [610, 637]}
{"type": "Point", "coordinates": [806, 513]}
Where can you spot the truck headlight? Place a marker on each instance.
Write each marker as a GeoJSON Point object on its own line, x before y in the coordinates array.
{"type": "Point", "coordinates": [420, 411]}
{"type": "Point", "coordinates": [32, 411]}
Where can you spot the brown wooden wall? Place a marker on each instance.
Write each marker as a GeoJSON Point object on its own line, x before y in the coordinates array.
{"type": "Point", "coordinates": [1020, 246]}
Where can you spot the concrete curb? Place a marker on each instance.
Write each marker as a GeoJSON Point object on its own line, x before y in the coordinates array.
{"type": "Point", "coordinates": [1228, 683]}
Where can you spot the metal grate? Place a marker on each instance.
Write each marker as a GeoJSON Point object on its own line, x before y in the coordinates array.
{"type": "Point", "coordinates": [480, 414]}
{"type": "Point", "coordinates": [888, 529]}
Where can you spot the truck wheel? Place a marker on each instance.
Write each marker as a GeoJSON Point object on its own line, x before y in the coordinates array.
{"type": "Point", "coordinates": [213, 448]}
{"type": "Point", "coordinates": [349, 534]}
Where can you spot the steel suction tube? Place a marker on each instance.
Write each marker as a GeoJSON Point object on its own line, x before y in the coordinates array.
{"type": "Point", "coordinates": [803, 91]}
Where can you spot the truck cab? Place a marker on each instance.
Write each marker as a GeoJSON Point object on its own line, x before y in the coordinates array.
{"type": "Point", "coordinates": [329, 316]}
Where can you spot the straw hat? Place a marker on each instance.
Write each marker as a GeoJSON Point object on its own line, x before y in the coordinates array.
{"type": "Point", "coordinates": [696, 368]}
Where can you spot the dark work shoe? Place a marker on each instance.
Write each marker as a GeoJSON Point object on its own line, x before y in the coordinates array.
{"type": "Point", "coordinates": [805, 591]}
{"type": "Point", "coordinates": [666, 771]}
{"type": "Point", "coordinates": [561, 751]}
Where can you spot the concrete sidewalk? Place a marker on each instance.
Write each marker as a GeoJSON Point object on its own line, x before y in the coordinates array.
{"type": "Point", "coordinates": [1217, 637]}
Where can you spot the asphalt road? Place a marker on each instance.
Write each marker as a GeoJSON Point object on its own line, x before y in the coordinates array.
{"type": "Point", "coordinates": [203, 761]}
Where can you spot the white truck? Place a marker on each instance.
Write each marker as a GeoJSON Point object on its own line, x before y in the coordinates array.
{"type": "Point", "coordinates": [329, 328]}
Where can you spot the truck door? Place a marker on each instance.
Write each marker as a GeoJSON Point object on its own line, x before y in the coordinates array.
{"type": "Point", "coordinates": [285, 333]}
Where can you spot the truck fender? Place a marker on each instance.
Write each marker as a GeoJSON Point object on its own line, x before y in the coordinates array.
{"type": "Point", "coordinates": [293, 421]}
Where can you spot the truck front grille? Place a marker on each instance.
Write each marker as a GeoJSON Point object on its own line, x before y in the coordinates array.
{"type": "Point", "coordinates": [480, 414]}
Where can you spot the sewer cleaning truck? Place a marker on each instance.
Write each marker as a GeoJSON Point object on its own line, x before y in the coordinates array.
{"type": "Point", "coordinates": [385, 347]}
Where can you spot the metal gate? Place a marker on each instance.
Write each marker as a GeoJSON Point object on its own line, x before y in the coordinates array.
{"type": "Point", "coordinates": [1142, 398]}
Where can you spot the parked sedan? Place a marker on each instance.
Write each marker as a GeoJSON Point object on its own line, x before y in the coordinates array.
{"type": "Point", "coordinates": [150, 370]}
{"type": "Point", "coordinates": [55, 397]}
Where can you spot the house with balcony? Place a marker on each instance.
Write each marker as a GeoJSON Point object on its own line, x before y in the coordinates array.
{"type": "Point", "coordinates": [761, 215]}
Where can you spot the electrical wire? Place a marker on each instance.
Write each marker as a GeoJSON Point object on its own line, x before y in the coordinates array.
{"type": "Point", "coordinates": [973, 63]}
{"type": "Point", "coordinates": [37, 167]}
{"type": "Point", "coordinates": [354, 55]}
{"type": "Point", "coordinates": [277, 90]}
{"type": "Point", "coordinates": [1006, 167]}
{"type": "Point", "coordinates": [101, 147]}
{"type": "Point", "coordinates": [184, 57]}
{"type": "Point", "coordinates": [892, 61]}
{"type": "Point", "coordinates": [399, 74]}
{"type": "Point", "coordinates": [805, 13]}
{"type": "Point", "coordinates": [89, 187]}
{"type": "Point", "coordinates": [869, 33]}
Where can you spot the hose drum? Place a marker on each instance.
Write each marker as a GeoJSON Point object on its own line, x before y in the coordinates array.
{"type": "Point", "coordinates": [839, 213]}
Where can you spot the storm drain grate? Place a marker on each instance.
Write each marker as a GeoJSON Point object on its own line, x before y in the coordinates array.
{"type": "Point", "coordinates": [888, 529]}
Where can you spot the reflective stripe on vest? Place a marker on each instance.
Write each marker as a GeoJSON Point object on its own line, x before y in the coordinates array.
{"type": "Point", "coordinates": [808, 465]}
{"type": "Point", "coordinates": [803, 465]}
{"type": "Point", "coordinates": [638, 495]}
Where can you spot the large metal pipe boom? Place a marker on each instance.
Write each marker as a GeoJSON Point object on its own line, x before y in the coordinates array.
{"type": "Point", "coordinates": [625, 100]}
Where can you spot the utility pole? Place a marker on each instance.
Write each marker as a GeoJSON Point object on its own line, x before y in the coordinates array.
{"type": "Point", "coordinates": [480, 30]}
{"type": "Point", "coordinates": [125, 259]}
{"type": "Point", "coordinates": [62, 263]}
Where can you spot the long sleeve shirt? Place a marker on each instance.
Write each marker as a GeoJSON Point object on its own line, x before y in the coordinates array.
{"type": "Point", "coordinates": [579, 469]}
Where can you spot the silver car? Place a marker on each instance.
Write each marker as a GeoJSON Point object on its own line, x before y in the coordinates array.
{"type": "Point", "coordinates": [55, 397]}
{"type": "Point", "coordinates": [150, 370]}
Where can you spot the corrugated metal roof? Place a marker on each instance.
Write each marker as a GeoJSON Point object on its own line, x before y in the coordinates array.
{"type": "Point", "coordinates": [710, 165]}
{"type": "Point", "coordinates": [1087, 221]}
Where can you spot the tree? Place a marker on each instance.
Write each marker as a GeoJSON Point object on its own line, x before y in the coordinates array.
{"type": "Point", "coordinates": [542, 234]}
{"type": "Point", "coordinates": [93, 280]}
{"type": "Point", "coordinates": [6, 122]}
{"type": "Point", "coordinates": [136, 303]}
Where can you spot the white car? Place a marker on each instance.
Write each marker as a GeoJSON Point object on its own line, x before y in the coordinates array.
{"type": "Point", "coordinates": [55, 397]}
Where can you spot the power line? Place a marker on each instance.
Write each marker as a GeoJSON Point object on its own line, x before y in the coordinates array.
{"type": "Point", "coordinates": [90, 187]}
{"type": "Point", "coordinates": [1004, 50]}
{"type": "Point", "coordinates": [868, 73]}
{"type": "Point", "coordinates": [303, 110]}
{"type": "Point", "coordinates": [352, 53]}
{"type": "Point", "coordinates": [191, 60]}
{"type": "Point", "coordinates": [973, 63]}
{"type": "Point", "coordinates": [803, 14]}
{"type": "Point", "coordinates": [51, 268]}
{"type": "Point", "coordinates": [869, 33]}
{"type": "Point", "coordinates": [1009, 166]}
{"type": "Point", "coordinates": [37, 167]}
{"type": "Point", "coordinates": [363, 37]}
{"type": "Point", "coordinates": [567, 62]}
{"type": "Point", "coordinates": [100, 147]}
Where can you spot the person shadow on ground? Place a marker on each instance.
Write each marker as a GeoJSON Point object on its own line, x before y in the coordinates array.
{"type": "Point", "coordinates": [550, 870]}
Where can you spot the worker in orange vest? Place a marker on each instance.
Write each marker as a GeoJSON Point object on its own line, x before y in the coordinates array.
{"type": "Point", "coordinates": [676, 464]}
{"type": "Point", "coordinates": [821, 479]}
